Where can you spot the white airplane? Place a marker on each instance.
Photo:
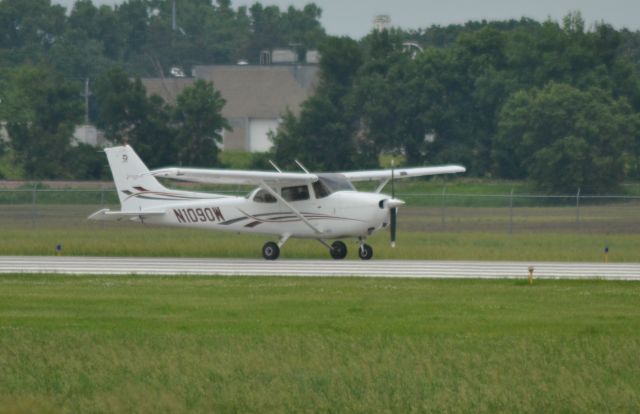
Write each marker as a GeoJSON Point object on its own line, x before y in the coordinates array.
{"type": "Point", "coordinates": [322, 206]}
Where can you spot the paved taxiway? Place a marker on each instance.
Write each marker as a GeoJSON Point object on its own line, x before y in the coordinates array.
{"type": "Point", "coordinates": [259, 267]}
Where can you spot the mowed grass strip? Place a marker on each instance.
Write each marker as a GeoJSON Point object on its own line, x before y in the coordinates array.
{"type": "Point", "coordinates": [137, 240]}
{"type": "Point", "coordinates": [550, 234]}
{"type": "Point", "coordinates": [176, 344]}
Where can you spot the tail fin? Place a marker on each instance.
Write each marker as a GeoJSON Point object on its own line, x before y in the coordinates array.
{"type": "Point", "coordinates": [135, 185]}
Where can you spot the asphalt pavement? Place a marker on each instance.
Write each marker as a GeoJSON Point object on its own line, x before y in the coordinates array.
{"type": "Point", "coordinates": [76, 265]}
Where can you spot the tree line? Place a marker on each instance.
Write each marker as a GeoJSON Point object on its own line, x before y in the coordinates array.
{"type": "Point", "coordinates": [47, 52]}
{"type": "Point", "coordinates": [42, 109]}
{"type": "Point", "coordinates": [553, 102]}
{"type": "Point", "coordinates": [140, 35]}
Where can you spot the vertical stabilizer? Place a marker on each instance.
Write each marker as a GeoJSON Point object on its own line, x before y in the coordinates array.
{"type": "Point", "coordinates": [137, 188]}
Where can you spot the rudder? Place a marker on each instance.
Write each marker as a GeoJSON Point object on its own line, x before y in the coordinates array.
{"type": "Point", "coordinates": [132, 178]}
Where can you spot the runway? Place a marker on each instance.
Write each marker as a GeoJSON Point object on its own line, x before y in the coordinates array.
{"type": "Point", "coordinates": [356, 268]}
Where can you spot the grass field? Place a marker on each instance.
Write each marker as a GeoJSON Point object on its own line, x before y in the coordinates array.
{"type": "Point", "coordinates": [145, 344]}
{"type": "Point", "coordinates": [163, 242]}
{"type": "Point", "coordinates": [444, 219]}
{"type": "Point", "coordinates": [543, 233]}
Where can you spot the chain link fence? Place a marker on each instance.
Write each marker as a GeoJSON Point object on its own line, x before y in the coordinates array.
{"type": "Point", "coordinates": [37, 208]}
{"type": "Point", "coordinates": [513, 213]}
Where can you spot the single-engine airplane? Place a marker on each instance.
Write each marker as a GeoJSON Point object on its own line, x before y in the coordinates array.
{"type": "Point", "coordinates": [321, 206]}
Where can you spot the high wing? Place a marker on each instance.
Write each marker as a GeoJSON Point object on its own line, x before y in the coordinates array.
{"type": "Point", "coordinates": [402, 173]}
{"type": "Point", "coordinates": [209, 176]}
{"type": "Point", "coordinates": [200, 175]}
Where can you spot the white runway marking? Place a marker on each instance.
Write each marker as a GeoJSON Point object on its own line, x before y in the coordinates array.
{"type": "Point", "coordinates": [257, 267]}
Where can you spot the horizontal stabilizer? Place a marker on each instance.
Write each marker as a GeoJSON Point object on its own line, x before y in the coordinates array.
{"type": "Point", "coordinates": [108, 215]}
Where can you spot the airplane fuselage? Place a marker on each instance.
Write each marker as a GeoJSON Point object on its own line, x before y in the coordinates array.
{"type": "Point", "coordinates": [341, 214]}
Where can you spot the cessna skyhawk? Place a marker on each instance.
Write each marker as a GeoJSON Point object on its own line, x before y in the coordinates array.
{"type": "Point", "coordinates": [321, 206]}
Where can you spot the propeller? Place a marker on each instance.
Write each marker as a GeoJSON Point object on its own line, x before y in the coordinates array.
{"type": "Point", "coordinates": [393, 211]}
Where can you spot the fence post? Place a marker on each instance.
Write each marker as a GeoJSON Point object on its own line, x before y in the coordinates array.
{"type": "Point", "coordinates": [511, 212]}
{"type": "Point", "coordinates": [33, 206]}
{"type": "Point", "coordinates": [444, 190]}
{"type": "Point", "coordinates": [578, 208]}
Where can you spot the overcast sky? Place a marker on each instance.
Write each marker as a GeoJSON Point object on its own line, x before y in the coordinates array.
{"type": "Point", "coordinates": [354, 17]}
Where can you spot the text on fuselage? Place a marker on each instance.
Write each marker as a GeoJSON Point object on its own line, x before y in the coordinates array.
{"type": "Point", "coordinates": [196, 215]}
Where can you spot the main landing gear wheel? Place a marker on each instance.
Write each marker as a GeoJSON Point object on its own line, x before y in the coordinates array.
{"type": "Point", "coordinates": [270, 251]}
{"type": "Point", "coordinates": [365, 252]}
{"type": "Point", "coordinates": [338, 250]}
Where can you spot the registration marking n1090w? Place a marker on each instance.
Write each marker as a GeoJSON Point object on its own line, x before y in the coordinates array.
{"type": "Point", "coordinates": [195, 215]}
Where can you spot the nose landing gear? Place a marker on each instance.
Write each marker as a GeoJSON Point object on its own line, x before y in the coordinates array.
{"type": "Point", "coordinates": [365, 251]}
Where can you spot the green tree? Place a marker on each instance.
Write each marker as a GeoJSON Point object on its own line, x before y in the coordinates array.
{"type": "Point", "coordinates": [388, 75]}
{"type": "Point", "coordinates": [125, 113]}
{"type": "Point", "coordinates": [87, 163]}
{"type": "Point", "coordinates": [322, 136]}
{"type": "Point", "coordinates": [121, 104]}
{"type": "Point", "coordinates": [341, 58]}
{"type": "Point", "coordinates": [205, 33]}
{"type": "Point", "coordinates": [564, 138]}
{"type": "Point", "coordinates": [77, 56]}
{"type": "Point", "coordinates": [87, 44]}
{"type": "Point", "coordinates": [319, 138]}
{"type": "Point", "coordinates": [28, 28]}
{"type": "Point", "coordinates": [271, 27]}
{"type": "Point", "coordinates": [200, 124]}
{"type": "Point", "coordinates": [41, 109]}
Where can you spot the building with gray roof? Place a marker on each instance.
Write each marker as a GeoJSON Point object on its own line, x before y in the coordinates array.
{"type": "Point", "coordinates": [256, 97]}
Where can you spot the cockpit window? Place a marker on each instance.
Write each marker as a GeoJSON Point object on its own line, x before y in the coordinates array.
{"type": "Point", "coordinates": [297, 193]}
{"type": "Point", "coordinates": [335, 182]}
{"type": "Point", "coordinates": [320, 189]}
{"type": "Point", "coordinates": [263, 196]}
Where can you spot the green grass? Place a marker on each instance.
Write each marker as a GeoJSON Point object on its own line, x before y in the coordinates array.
{"type": "Point", "coordinates": [136, 240]}
{"type": "Point", "coordinates": [8, 167]}
{"type": "Point", "coordinates": [145, 344]}
{"type": "Point", "coordinates": [239, 160]}
{"type": "Point", "coordinates": [548, 234]}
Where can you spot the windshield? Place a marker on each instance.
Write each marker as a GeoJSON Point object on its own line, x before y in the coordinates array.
{"type": "Point", "coordinates": [335, 182]}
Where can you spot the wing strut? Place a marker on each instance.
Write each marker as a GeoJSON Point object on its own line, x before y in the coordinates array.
{"type": "Point", "coordinates": [292, 208]}
{"type": "Point", "coordinates": [302, 166]}
{"type": "Point", "coordinates": [273, 164]}
{"type": "Point", "coordinates": [382, 185]}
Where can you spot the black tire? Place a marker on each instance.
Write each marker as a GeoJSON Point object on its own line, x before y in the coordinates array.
{"type": "Point", "coordinates": [365, 252]}
{"type": "Point", "coordinates": [270, 251]}
{"type": "Point", "coordinates": [338, 250]}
